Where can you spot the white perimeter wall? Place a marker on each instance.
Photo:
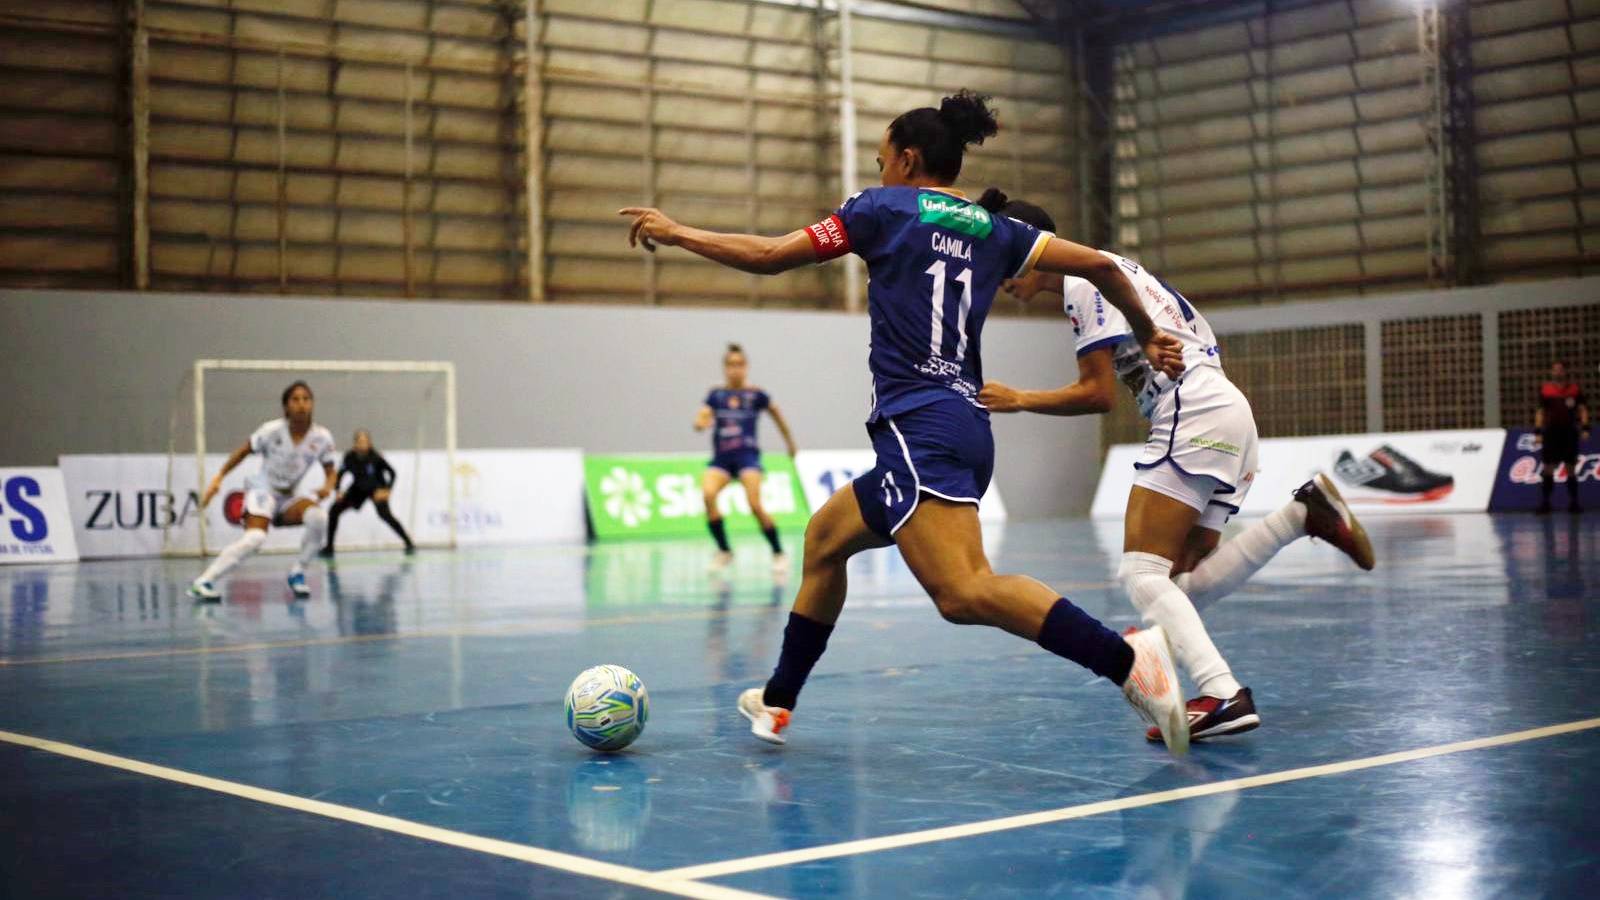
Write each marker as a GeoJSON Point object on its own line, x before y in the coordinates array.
{"type": "Point", "coordinates": [96, 372]}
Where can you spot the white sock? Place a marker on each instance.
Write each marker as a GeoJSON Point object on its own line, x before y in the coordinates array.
{"type": "Point", "coordinates": [1224, 571]}
{"type": "Point", "coordinates": [1147, 578]}
{"type": "Point", "coordinates": [315, 522]}
{"type": "Point", "coordinates": [233, 554]}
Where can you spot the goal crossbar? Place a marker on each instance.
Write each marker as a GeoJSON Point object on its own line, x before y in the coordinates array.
{"type": "Point", "coordinates": [447, 369]}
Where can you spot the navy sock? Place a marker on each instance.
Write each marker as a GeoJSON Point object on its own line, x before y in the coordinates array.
{"type": "Point", "coordinates": [803, 642]}
{"type": "Point", "coordinates": [1072, 633]}
{"type": "Point", "coordinates": [772, 538]}
{"type": "Point", "coordinates": [720, 533]}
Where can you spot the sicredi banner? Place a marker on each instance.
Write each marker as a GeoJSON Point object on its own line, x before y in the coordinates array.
{"type": "Point", "coordinates": [825, 471]}
{"type": "Point", "coordinates": [1517, 481]}
{"type": "Point", "coordinates": [659, 496]}
{"type": "Point", "coordinates": [121, 505]}
{"type": "Point", "coordinates": [35, 525]}
{"type": "Point", "coordinates": [1379, 474]}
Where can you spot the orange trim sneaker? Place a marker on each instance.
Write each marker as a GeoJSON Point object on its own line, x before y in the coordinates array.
{"type": "Point", "coordinates": [766, 722]}
{"type": "Point", "coordinates": [1329, 518]}
{"type": "Point", "coordinates": [1211, 717]}
{"type": "Point", "coordinates": [1152, 688]}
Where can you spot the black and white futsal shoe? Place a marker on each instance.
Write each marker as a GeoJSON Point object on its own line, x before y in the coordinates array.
{"type": "Point", "coordinates": [1211, 717]}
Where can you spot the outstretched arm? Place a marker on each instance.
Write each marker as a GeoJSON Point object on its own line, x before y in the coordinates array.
{"type": "Point", "coordinates": [1066, 258]}
{"type": "Point", "coordinates": [783, 427]}
{"type": "Point", "coordinates": [1093, 393]}
{"type": "Point", "coordinates": [234, 458]}
{"type": "Point", "coordinates": [745, 252]}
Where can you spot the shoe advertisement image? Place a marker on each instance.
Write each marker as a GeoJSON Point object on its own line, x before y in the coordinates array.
{"type": "Point", "coordinates": [1385, 475]}
{"type": "Point", "coordinates": [1399, 473]}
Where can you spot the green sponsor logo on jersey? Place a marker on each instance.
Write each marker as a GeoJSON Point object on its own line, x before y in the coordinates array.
{"type": "Point", "coordinates": [955, 214]}
{"type": "Point", "coordinates": [1219, 446]}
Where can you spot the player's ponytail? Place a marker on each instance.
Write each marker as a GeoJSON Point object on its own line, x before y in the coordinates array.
{"type": "Point", "coordinates": [968, 117]}
{"type": "Point", "coordinates": [942, 135]}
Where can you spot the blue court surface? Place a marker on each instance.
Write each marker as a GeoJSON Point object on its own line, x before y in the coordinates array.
{"type": "Point", "coordinates": [1430, 730]}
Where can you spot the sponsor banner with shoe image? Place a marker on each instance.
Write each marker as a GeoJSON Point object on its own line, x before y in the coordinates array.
{"type": "Point", "coordinates": [659, 496]}
{"type": "Point", "coordinates": [1518, 481]}
{"type": "Point", "coordinates": [1422, 471]}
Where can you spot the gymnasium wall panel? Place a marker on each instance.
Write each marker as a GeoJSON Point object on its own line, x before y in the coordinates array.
{"type": "Point", "coordinates": [607, 379]}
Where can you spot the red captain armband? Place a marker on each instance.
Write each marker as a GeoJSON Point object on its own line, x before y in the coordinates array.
{"type": "Point", "coordinates": [829, 238]}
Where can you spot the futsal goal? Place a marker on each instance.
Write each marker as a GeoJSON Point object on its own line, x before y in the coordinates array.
{"type": "Point", "coordinates": [408, 407]}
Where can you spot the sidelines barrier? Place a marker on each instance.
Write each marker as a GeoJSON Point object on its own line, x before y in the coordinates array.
{"type": "Point", "coordinates": [1379, 474]}
{"type": "Point", "coordinates": [658, 495]}
{"type": "Point", "coordinates": [35, 525]}
{"type": "Point", "coordinates": [120, 505]}
{"type": "Point", "coordinates": [1521, 469]}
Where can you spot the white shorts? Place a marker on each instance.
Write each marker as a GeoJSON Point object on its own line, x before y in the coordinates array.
{"type": "Point", "coordinates": [1202, 446]}
{"type": "Point", "coordinates": [266, 503]}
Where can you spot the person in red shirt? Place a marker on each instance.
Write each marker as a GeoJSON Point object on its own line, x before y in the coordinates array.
{"type": "Point", "coordinates": [1561, 424]}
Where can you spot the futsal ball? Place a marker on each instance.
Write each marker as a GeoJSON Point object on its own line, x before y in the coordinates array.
{"type": "Point", "coordinates": [607, 707]}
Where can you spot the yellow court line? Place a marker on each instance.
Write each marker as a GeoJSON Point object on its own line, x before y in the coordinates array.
{"type": "Point", "coordinates": [565, 862]}
{"type": "Point", "coordinates": [972, 829]}
{"type": "Point", "coordinates": [475, 631]}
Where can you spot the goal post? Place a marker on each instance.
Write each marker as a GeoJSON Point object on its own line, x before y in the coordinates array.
{"type": "Point", "coordinates": [409, 407]}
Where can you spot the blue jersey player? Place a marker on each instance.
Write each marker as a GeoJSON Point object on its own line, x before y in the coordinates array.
{"type": "Point", "coordinates": [733, 412]}
{"type": "Point", "coordinates": [935, 260]}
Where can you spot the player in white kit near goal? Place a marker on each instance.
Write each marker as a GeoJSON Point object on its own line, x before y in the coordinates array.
{"type": "Point", "coordinates": [289, 447]}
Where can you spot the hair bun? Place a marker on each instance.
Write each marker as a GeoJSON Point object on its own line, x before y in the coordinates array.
{"type": "Point", "coordinates": [968, 116]}
{"type": "Point", "coordinates": [993, 200]}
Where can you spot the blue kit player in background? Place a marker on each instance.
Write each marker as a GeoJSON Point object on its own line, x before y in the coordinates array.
{"type": "Point", "coordinates": [733, 413]}
{"type": "Point", "coordinates": [935, 261]}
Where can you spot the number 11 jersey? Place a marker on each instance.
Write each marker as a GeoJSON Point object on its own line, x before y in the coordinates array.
{"type": "Point", "coordinates": [935, 261]}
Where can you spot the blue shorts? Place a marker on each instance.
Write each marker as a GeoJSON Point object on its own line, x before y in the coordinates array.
{"type": "Point", "coordinates": [735, 461]}
{"type": "Point", "coordinates": [944, 449]}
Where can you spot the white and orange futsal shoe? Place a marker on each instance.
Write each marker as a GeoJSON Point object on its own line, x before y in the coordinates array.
{"type": "Point", "coordinates": [766, 722]}
{"type": "Point", "coordinates": [1152, 687]}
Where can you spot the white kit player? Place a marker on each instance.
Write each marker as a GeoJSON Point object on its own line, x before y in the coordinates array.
{"type": "Point", "coordinates": [289, 447]}
{"type": "Point", "coordinates": [1196, 469]}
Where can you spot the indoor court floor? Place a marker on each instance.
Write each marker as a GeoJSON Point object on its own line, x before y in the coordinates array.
{"type": "Point", "coordinates": [1429, 730]}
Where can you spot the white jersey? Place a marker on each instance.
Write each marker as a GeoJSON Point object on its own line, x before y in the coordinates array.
{"type": "Point", "coordinates": [283, 462]}
{"type": "Point", "coordinates": [1098, 325]}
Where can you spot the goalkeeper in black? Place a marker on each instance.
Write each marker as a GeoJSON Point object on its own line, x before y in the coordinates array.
{"type": "Point", "coordinates": [372, 478]}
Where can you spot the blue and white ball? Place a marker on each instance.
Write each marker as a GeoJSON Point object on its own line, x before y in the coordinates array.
{"type": "Point", "coordinates": [607, 707]}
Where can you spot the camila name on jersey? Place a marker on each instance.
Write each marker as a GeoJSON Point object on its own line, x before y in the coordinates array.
{"type": "Point", "coordinates": [949, 246]}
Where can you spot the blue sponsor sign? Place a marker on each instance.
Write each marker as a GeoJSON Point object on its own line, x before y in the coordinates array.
{"type": "Point", "coordinates": [34, 523]}
{"type": "Point", "coordinates": [1517, 480]}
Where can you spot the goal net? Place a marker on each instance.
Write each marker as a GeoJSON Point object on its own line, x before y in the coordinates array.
{"type": "Point", "coordinates": [409, 408]}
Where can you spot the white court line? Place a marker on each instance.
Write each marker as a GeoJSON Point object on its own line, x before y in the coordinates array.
{"type": "Point", "coordinates": [953, 832]}
{"type": "Point", "coordinates": [565, 862]}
